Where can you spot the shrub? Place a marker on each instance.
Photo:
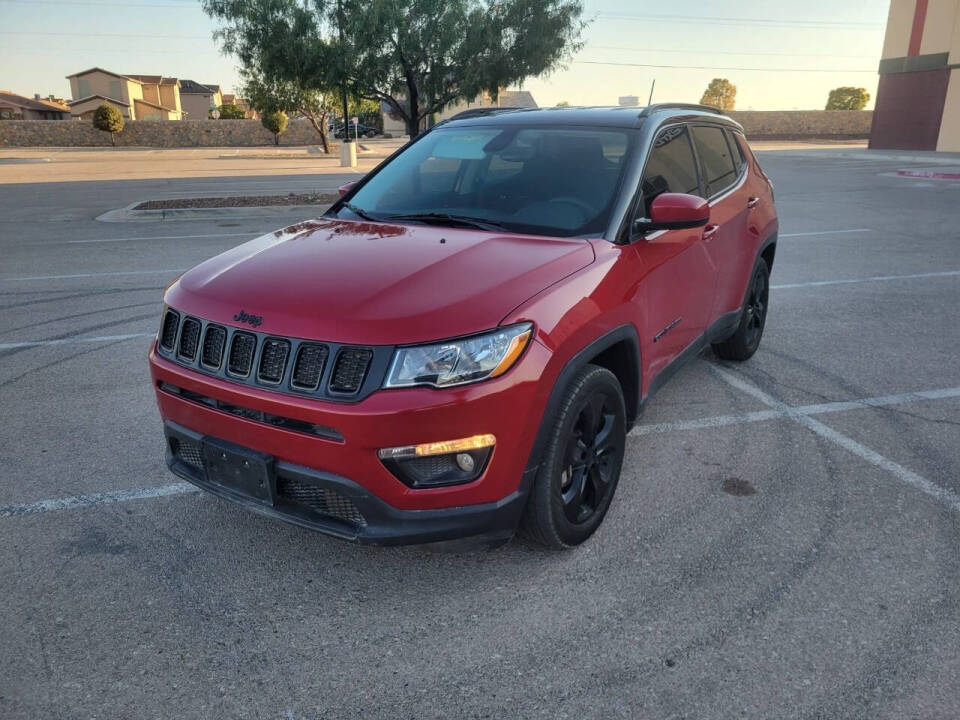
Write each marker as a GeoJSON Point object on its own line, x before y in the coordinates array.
{"type": "Point", "coordinates": [231, 112]}
{"type": "Point", "coordinates": [275, 122]}
{"type": "Point", "coordinates": [848, 98]}
{"type": "Point", "coordinates": [108, 119]}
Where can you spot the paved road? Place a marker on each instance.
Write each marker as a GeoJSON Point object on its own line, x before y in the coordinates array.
{"type": "Point", "coordinates": [784, 542]}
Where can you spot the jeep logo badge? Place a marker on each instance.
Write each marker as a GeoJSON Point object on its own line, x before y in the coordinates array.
{"type": "Point", "coordinates": [252, 320]}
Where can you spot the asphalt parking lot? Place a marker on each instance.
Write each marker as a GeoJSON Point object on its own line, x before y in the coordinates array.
{"type": "Point", "coordinates": [783, 544]}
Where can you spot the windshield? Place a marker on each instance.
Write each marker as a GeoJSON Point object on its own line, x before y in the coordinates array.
{"type": "Point", "coordinates": [558, 181]}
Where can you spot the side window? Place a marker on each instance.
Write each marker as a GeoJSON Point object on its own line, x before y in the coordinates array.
{"type": "Point", "coordinates": [738, 159]}
{"type": "Point", "coordinates": [670, 166]}
{"type": "Point", "coordinates": [719, 171]}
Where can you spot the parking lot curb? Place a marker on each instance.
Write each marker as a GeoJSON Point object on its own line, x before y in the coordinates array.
{"type": "Point", "coordinates": [129, 214]}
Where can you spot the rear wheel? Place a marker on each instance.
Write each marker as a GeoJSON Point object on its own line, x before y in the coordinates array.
{"type": "Point", "coordinates": [581, 465]}
{"type": "Point", "coordinates": [746, 339]}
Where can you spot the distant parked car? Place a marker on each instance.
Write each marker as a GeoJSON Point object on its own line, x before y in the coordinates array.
{"type": "Point", "coordinates": [361, 130]}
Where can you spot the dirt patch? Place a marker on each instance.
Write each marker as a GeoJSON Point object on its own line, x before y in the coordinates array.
{"type": "Point", "coordinates": [239, 201]}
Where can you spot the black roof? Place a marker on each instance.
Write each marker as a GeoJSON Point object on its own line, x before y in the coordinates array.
{"type": "Point", "coordinates": [614, 116]}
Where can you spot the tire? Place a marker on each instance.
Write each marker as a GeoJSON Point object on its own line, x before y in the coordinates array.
{"type": "Point", "coordinates": [581, 465]}
{"type": "Point", "coordinates": [746, 338]}
{"type": "Point", "coordinates": [370, 134]}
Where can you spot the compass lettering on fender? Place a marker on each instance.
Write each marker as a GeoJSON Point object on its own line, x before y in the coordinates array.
{"type": "Point", "coordinates": [252, 320]}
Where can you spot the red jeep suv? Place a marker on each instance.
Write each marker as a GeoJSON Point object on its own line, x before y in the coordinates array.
{"type": "Point", "coordinates": [459, 346]}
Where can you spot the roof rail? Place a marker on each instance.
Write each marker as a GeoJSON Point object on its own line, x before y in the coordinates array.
{"type": "Point", "coordinates": [650, 109]}
{"type": "Point", "coordinates": [482, 112]}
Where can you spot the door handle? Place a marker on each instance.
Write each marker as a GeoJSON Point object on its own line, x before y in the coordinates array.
{"type": "Point", "coordinates": [710, 232]}
{"type": "Point", "coordinates": [752, 203]}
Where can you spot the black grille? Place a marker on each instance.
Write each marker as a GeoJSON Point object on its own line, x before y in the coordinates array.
{"type": "Point", "coordinates": [168, 334]}
{"type": "Point", "coordinates": [309, 366]}
{"type": "Point", "coordinates": [188, 451]}
{"type": "Point", "coordinates": [189, 339]}
{"type": "Point", "coordinates": [322, 500]}
{"type": "Point", "coordinates": [241, 353]}
{"type": "Point", "coordinates": [431, 467]}
{"type": "Point", "coordinates": [213, 341]}
{"type": "Point", "coordinates": [273, 360]}
{"type": "Point", "coordinates": [350, 370]}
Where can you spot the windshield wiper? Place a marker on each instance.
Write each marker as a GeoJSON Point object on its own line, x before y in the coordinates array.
{"type": "Point", "coordinates": [360, 212]}
{"type": "Point", "coordinates": [447, 218]}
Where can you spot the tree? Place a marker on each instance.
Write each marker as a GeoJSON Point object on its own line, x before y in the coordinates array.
{"type": "Point", "coordinates": [720, 93]}
{"type": "Point", "coordinates": [289, 96]}
{"type": "Point", "coordinates": [275, 122]}
{"type": "Point", "coordinates": [108, 119]}
{"type": "Point", "coordinates": [563, 103]}
{"type": "Point", "coordinates": [848, 98]}
{"type": "Point", "coordinates": [415, 56]}
{"type": "Point", "coordinates": [231, 112]}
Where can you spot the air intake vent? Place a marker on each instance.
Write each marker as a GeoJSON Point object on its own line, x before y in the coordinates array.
{"type": "Point", "coordinates": [309, 366]}
{"type": "Point", "coordinates": [168, 333]}
{"type": "Point", "coordinates": [189, 339]}
{"type": "Point", "coordinates": [213, 341]}
{"type": "Point", "coordinates": [273, 360]}
{"type": "Point", "coordinates": [350, 370]}
{"type": "Point", "coordinates": [241, 354]}
{"type": "Point", "coordinates": [322, 500]}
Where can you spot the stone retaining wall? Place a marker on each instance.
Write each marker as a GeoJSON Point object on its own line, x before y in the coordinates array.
{"type": "Point", "coordinates": [153, 133]}
{"type": "Point", "coordinates": [803, 124]}
{"type": "Point", "coordinates": [774, 125]}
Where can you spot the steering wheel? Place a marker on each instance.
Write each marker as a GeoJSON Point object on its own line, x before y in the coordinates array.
{"type": "Point", "coordinates": [588, 211]}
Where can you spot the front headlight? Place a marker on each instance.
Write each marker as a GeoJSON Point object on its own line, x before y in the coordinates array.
{"type": "Point", "coordinates": [456, 362]}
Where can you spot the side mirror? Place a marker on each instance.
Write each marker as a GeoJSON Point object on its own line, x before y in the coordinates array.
{"type": "Point", "coordinates": [674, 211]}
{"type": "Point", "coordinates": [344, 189]}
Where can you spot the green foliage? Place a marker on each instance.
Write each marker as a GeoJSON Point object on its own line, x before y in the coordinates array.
{"type": "Point", "coordinates": [563, 103]}
{"type": "Point", "coordinates": [848, 98]}
{"type": "Point", "coordinates": [416, 56]}
{"type": "Point", "coordinates": [108, 119]}
{"type": "Point", "coordinates": [271, 94]}
{"type": "Point", "coordinates": [720, 93]}
{"type": "Point", "coordinates": [231, 112]}
{"type": "Point", "coordinates": [276, 122]}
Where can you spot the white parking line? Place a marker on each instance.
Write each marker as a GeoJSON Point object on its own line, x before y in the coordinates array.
{"type": "Point", "coordinates": [76, 340]}
{"type": "Point", "coordinates": [821, 409]}
{"type": "Point", "coordinates": [104, 498]}
{"type": "Point", "coordinates": [93, 275]}
{"type": "Point", "coordinates": [941, 494]}
{"type": "Point", "coordinates": [824, 232]}
{"type": "Point", "coordinates": [158, 237]}
{"type": "Point", "coordinates": [875, 278]}
{"type": "Point", "coordinates": [779, 410]}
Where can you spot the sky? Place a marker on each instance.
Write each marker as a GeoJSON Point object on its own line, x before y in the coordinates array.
{"type": "Point", "coordinates": [780, 55]}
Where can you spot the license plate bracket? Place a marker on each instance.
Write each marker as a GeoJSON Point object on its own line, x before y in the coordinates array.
{"type": "Point", "coordinates": [240, 470]}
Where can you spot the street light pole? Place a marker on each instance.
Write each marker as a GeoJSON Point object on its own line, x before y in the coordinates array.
{"type": "Point", "coordinates": [343, 70]}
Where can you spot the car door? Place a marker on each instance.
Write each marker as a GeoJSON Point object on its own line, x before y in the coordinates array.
{"type": "Point", "coordinates": [723, 171]}
{"type": "Point", "coordinates": [676, 269]}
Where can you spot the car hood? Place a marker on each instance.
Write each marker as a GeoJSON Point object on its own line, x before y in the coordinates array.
{"type": "Point", "coordinates": [376, 283]}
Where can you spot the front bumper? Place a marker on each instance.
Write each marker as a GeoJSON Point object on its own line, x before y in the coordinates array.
{"type": "Point", "coordinates": [345, 463]}
{"type": "Point", "coordinates": [340, 507]}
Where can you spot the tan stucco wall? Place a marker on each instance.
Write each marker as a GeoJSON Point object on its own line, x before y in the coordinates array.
{"type": "Point", "coordinates": [170, 97]}
{"type": "Point", "coordinates": [197, 107]}
{"type": "Point", "coordinates": [938, 28]}
{"type": "Point", "coordinates": [87, 108]}
{"type": "Point", "coordinates": [949, 140]}
{"type": "Point", "coordinates": [896, 42]}
{"type": "Point", "coordinates": [151, 93]}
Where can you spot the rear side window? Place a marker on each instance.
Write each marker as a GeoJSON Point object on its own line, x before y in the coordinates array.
{"type": "Point", "coordinates": [719, 172]}
{"type": "Point", "coordinates": [738, 159]}
{"type": "Point", "coordinates": [670, 167]}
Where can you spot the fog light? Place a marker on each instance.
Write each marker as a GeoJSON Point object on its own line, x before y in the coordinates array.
{"type": "Point", "coordinates": [465, 462]}
{"type": "Point", "coordinates": [436, 464]}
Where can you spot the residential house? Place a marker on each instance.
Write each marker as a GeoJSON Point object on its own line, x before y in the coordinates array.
{"type": "Point", "coordinates": [198, 99]}
{"type": "Point", "coordinates": [137, 97]}
{"type": "Point", "coordinates": [242, 103]}
{"type": "Point", "coordinates": [394, 124]}
{"type": "Point", "coordinates": [17, 107]}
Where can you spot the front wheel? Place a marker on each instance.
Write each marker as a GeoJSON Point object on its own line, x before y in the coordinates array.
{"type": "Point", "coordinates": [746, 338]}
{"type": "Point", "coordinates": [581, 465]}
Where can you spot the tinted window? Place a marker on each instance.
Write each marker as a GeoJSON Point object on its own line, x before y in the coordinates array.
{"type": "Point", "coordinates": [544, 180]}
{"type": "Point", "coordinates": [715, 159]}
{"type": "Point", "coordinates": [738, 159]}
{"type": "Point", "coordinates": [670, 167]}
